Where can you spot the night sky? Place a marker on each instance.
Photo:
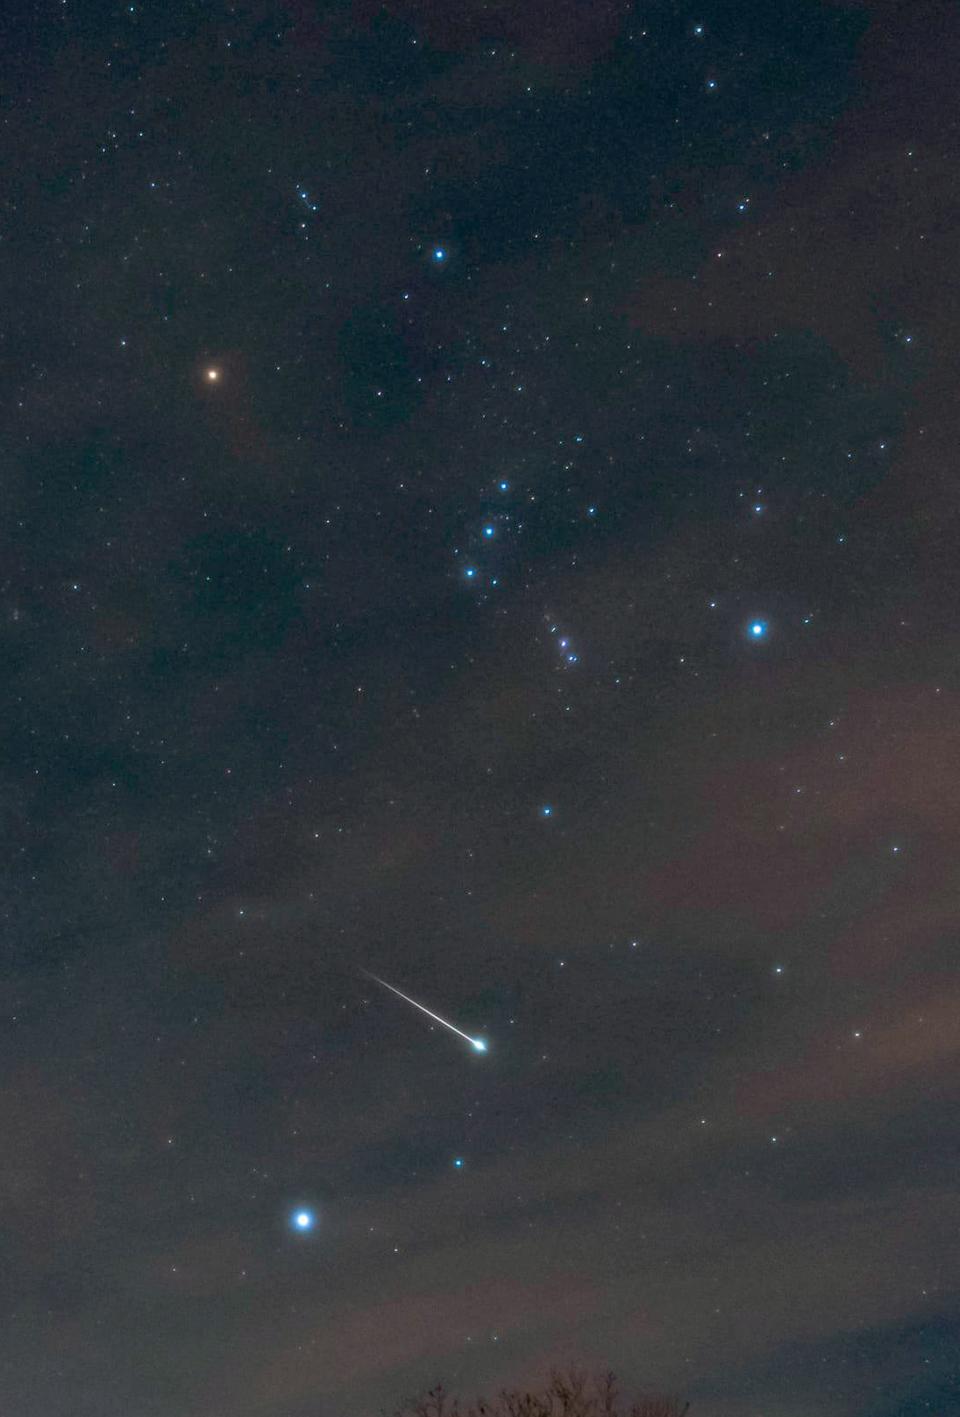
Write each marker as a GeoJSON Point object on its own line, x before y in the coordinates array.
{"type": "Point", "coordinates": [480, 508]}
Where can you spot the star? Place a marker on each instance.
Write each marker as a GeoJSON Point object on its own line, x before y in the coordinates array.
{"type": "Point", "coordinates": [303, 1220]}
{"type": "Point", "coordinates": [213, 375]}
{"type": "Point", "coordinates": [758, 629]}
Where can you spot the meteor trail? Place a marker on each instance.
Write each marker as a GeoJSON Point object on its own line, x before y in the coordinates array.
{"type": "Point", "coordinates": [477, 1043]}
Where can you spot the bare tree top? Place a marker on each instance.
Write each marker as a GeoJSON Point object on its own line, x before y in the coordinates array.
{"type": "Point", "coordinates": [566, 1394]}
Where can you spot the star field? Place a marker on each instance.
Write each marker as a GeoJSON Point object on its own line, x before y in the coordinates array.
{"type": "Point", "coordinates": [479, 515]}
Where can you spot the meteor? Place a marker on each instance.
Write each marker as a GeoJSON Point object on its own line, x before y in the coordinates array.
{"type": "Point", "coordinates": [478, 1043]}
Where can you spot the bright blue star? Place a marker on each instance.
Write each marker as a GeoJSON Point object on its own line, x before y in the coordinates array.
{"type": "Point", "coordinates": [439, 254]}
{"type": "Point", "coordinates": [758, 628]}
{"type": "Point", "coordinates": [470, 572]}
{"type": "Point", "coordinates": [303, 1220]}
{"type": "Point", "coordinates": [546, 811]}
{"type": "Point", "coordinates": [458, 1163]}
{"type": "Point", "coordinates": [504, 486]}
{"type": "Point", "coordinates": [488, 530]}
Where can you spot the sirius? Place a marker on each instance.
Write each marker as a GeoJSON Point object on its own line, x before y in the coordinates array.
{"type": "Point", "coordinates": [758, 628]}
{"type": "Point", "coordinates": [303, 1220]}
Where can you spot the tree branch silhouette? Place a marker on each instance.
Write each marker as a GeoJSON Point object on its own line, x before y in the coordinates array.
{"type": "Point", "coordinates": [566, 1394]}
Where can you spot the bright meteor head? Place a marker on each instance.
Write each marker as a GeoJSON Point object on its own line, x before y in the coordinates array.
{"type": "Point", "coordinates": [478, 1044]}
